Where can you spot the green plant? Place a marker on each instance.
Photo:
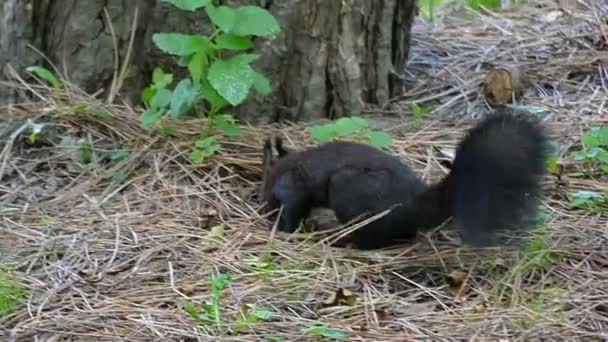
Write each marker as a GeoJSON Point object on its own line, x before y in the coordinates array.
{"type": "Point", "coordinates": [211, 313]}
{"type": "Point", "coordinates": [350, 126]}
{"type": "Point", "coordinates": [589, 200]}
{"type": "Point", "coordinates": [12, 294]}
{"type": "Point", "coordinates": [247, 319]}
{"type": "Point", "coordinates": [419, 112]}
{"type": "Point", "coordinates": [593, 152]}
{"type": "Point", "coordinates": [325, 332]}
{"type": "Point", "coordinates": [44, 74]}
{"type": "Point", "coordinates": [33, 137]}
{"type": "Point", "coordinates": [220, 70]}
{"type": "Point", "coordinates": [551, 160]}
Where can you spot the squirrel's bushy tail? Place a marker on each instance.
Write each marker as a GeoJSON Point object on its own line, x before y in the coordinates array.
{"type": "Point", "coordinates": [496, 177]}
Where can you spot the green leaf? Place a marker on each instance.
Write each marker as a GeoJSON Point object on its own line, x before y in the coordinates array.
{"type": "Point", "coordinates": [181, 44]}
{"type": "Point", "coordinates": [150, 116]}
{"type": "Point", "coordinates": [192, 312]}
{"type": "Point", "coordinates": [12, 294]}
{"type": "Point", "coordinates": [380, 139]}
{"type": "Point", "coordinates": [205, 143]}
{"type": "Point", "coordinates": [184, 60]}
{"type": "Point", "coordinates": [118, 155]}
{"type": "Point", "coordinates": [349, 125]}
{"type": "Point", "coordinates": [254, 21]}
{"type": "Point", "coordinates": [233, 78]}
{"type": "Point", "coordinates": [263, 314]}
{"type": "Point", "coordinates": [188, 5]}
{"type": "Point", "coordinates": [261, 84]}
{"type": "Point", "coordinates": [596, 137]}
{"type": "Point", "coordinates": [166, 131]}
{"type": "Point", "coordinates": [197, 156]}
{"type": "Point", "coordinates": [45, 74]}
{"type": "Point", "coordinates": [227, 123]}
{"type": "Point", "coordinates": [323, 133]}
{"type": "Point", "coordinates": [208, 93]}
{"type": "Point", "coordinates": [86, 153]}
{"type": "Point", "coordinates": [160, 79]}
{"type": "Point", "coordinates": [197, 65]}
{"type": "Point", "coordinates": [184, 98]}
{"type": "Point", "coordinates": [585, 198]}
{"type": "Point", "coordinates": [551, 164]}
{"type": "Point", "coordinates": [231, 42]}
{"type": "Point", "coordinates": [217, 231]}
{"type": "Point", "coordinates": [161, 99]}
{"type": "Point", "coordinates": [222, 17]}
{"type": "Point", "coordinates": [330, 333]}
{"type": "Point", "coordinates": [147, 94]}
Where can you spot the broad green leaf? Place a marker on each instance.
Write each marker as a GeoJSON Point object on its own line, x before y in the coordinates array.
{"type": "Point", "coordinates": [183, 61]}
{"type": "Point", "coordinates": [323, 133]}
{"type": "Point", "coordinates": [222, 17]}
{"type": "Point", "coordinates": [261, 84]}
{"type": "Point", "coordinates": [231, 42]}
{"type": "Point", "coordinates": [596, 137]}
{"type": "Point", "coordinates": [347, 125]}
{"type": "Point", "coordinates": [232, 78]}
{"type": "Point", "coordinates": [196, 155]}
{"type": "Point", "coordinates": [184, 98]}
{"type": "Point", "coordinates": [160, 79]}
{"type": "Point", "coordinates": [161, 99]}
{"type": "Point", "coordinates": [584, 198]}
{"type": "Point", "coordinates": [227, 123]}
{"type": "Point", "coordinates": [197, 65]}
{"type": "Point", "coordinates": [188, 5]}
{"type": "Point", "coordinates": [45, 74]}
{"type": "Point", "coordinates": [254, 21]}
{"type": "Point", "coordinates": [380, 139]}
{"type": "Point", "coordinates": [150, 116]}
{"type": "Point", "coordinates": [330, 333]}
{"type": "Point", "coordinates": [180, 44]}
{"type": "Point", "coordinates": [208, 93]}
{"type": "Point", "coordinates": [205, 143]}
{"type": "Point", "coordinates": [147, 94]}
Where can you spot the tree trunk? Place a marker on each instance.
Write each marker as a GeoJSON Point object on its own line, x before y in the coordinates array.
{"type": "Point", "coordinates": [331, 58]}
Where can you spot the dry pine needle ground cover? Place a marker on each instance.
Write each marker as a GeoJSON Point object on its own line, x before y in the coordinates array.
{"type": "Point", "coordinates": [116, 250]}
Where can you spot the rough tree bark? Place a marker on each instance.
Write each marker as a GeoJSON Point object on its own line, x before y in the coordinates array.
{"type": "Point", "coordinates": [331, 58]}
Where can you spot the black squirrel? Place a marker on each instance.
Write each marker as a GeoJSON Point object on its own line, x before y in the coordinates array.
{"type": "Point", "coordinates": [493, 183]}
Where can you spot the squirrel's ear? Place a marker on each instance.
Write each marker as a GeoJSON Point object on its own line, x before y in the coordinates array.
{"type": "Point", "coordinates": [281, 150]}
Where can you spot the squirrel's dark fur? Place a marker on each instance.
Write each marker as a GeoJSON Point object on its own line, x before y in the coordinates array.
{"type": "Point", "coordinates": [494, 181]}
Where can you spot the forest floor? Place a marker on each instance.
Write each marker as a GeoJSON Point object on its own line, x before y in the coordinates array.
{"type": "Point", "coordinates": [120, 248]}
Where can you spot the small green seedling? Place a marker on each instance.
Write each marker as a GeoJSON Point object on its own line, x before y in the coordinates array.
{"type": "Point", "coordinates": [418, 112]}
{"type": "Point", "coordinates": [210, 313]}
{"type": "Point", "coordinates": [356, 127]}
{"type": "Point", "coordinates": [247, 319]}
{"type": "Point", "coordinates": [325, 332]}
{"type": "Point", "coordinates": [204, 148]}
